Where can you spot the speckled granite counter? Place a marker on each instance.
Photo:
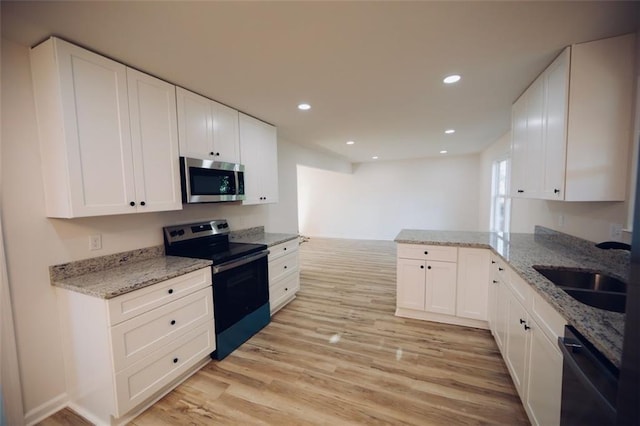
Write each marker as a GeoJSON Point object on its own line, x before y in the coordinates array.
{"type": "Point", "coordinates": [546, 247]}
{"type": "Point", "coordinates": [258, 236]}
{"type": "Point", "coordinates": [110, 276]}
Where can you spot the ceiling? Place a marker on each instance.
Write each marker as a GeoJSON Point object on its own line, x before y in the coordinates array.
{"type": "Point", "coordinates": [372, 71]}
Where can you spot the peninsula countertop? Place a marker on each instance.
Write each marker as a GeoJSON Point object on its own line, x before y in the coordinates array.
{"type": "Point", "coordinates": [604, 329]}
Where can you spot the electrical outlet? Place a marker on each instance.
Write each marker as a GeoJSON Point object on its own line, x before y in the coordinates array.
{"type": "Point", "coordinates": [615, 231]}
{"type": "Point", "coordinates": [561, 221]}
{"type": "Point", "coordinates": [95, 242]}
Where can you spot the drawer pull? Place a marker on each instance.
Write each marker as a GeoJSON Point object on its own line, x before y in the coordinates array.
{"type": "Point", "coordinates": [285, 266]}
{"type": "Point", "coordinates": [286, 289]}
{"type": "Point", "coordinates": [495, 282]}
{"type": "Point", "coordinates": [428, 267]}
{"type": "Point", "coordinates": [500, 269]}
{"type": "Point", "coordinates": [170, 291]}
{"type": "Point", "coordinates": [493, 261]}
{"type": "Point", "coordinates": [421, 266]}
{"type": "Point", "coordinates": [426, 252]}
{"type": "Point", "coordinates": [522, 321]}
{"type": "Point", "coordinates": [173, 322]}
{"type": "Point", "coordinates": [285, 249]}
{"type": "Point", "coordinates": [175, 360]}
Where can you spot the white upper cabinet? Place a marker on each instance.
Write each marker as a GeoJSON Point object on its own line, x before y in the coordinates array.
{"type": "Point", "coordinates": [207, 129]}
{"type": "Point", "coordinates": [154, 137]}
{"type": "Point", "coordinates": [571, 129]}
{"type": "Point", "coordinates": [259, 155]}
{"type": "Point", "coordinates": [92, 163]}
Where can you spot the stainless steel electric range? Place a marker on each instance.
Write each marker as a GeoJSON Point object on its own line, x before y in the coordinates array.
{"type": "Point", "coordinates": [240, 279]}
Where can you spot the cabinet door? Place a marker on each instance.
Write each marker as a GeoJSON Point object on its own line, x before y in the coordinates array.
{"type": "Point", "coordinates": [411, 284]}
{"type": "Point", "coordinates": [517, 352]}
{"type": "Point", "coordinates": [259, 155]}
{"type": "Point", "coordinates": [154, 136]}
{"type": "Point", "coordinates": [518, 171]}
{"type": "Point", "coordinates": [226, 142]}
{"type": "Point", "coordinates": [474, 267]}
{"type": "Point", "coordinates": [544, 388]}
{"type": "Point", "coordinates": [535, 133]}
{"type": "Point", "coordinates": [502, 309]}
{"type": "Point", "coordinates": [556, 93]}
{"type": "Point", "coordinates": [83, 121]}
{"type": "Point", "coordinates": [195, 125]}
{"type": "Point", "coordinates": [441, 288]}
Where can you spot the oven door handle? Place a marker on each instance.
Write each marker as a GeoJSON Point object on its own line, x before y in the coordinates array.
{"type": "Point", "coordinates": [239, 262]}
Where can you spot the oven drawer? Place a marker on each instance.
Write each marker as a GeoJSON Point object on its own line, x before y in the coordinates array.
{"type": "Point", "coordinates": [282, 249]}
{"type": "Point", "coordinates": [144, 378]}
{"type": "Point", "coordinates": [129, 305]}
{"type": "Point", "coordinates": [138, 337]}
{"type": "Point", "coordinates": [283, 290]}
{"type": "Point", "coordinates": [283, 265]}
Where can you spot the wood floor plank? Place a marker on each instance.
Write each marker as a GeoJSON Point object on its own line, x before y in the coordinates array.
{"type": "Point", "coordinates": [337, 355]}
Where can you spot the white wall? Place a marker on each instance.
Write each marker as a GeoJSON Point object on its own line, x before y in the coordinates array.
{"type": "Point", "coordinates": [377, 200]}
{"type": "Point", "coordinates": [283, 217]}
{"type": "Point", "coordinates": [34, 242]}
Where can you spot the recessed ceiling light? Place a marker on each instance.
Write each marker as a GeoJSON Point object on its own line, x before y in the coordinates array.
{"type": "Point", "coordinates": [444, 151]}
{"type": "Point", "coordinates": [375, 157]}
{"type": "Point", "coordinates": [304, 107]}
{"type": "Point", "coordinates": [350, 142]}
{"type": "Point", "coordinates": [451, 78]}
{"type": "Point", "coordinates": [449, 131]}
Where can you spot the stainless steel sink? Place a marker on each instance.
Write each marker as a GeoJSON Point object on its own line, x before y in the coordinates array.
{"type": "Point", "coordinates": [592, 288]}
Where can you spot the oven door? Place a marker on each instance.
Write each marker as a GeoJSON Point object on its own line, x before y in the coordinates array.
{"type": "Point", "coordinates": [206, 181]}
{"type": "Point", "coordinates": [240, 287]}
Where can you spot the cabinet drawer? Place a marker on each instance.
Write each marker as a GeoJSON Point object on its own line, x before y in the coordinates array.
{"type": "Point", "coordinates": [138, 337]}
{"type": "Point", "coordinates": [520, 289]}
{"type": "Point", "coordinates": [282, 249]}
{"type": "Point", "coordinates": [129, 305]}
{"type": "Point", "coordinates": [426, 252]}
{"type": "Point", "coordinates": [283, 290]}
{"type": "Point", "coordinates": [283, 265]}
{"type": "Point", "coordinates": [141, 380]}
{"type": "Point", "coordinates": [549, 320]}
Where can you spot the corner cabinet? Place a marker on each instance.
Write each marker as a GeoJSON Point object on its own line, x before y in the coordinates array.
{"type": "Point", "coordinates": [125, 353]}
{"type": "Point", "coordinates": [108, 134]}
{"type": "Point", "coordinates": [208, 130]}
{"type": "Point", "coordinates": [439, 283]}
{"type": "Point", "coordinates": [571, 129]}
{"type": "Point", "coordinates": [259, 155]}
{"type": "Point", "coordinates": [284, 274]}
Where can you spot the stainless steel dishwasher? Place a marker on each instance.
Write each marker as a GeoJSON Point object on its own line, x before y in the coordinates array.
{"type": "Point", "coordinates": [589, 383]}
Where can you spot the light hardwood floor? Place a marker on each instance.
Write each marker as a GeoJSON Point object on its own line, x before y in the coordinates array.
{"type": "Point", "coordinates": [337, 355]}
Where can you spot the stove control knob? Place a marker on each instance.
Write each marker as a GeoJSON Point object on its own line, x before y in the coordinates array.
{"type": "Point", "coordinates": [225, 225]}
{"type": "Point", "coordinates": [181, 232]}
{"type": "Point", "coordinates": [220, 226]}
{"type": "Point", "coordinates": [173, 233]}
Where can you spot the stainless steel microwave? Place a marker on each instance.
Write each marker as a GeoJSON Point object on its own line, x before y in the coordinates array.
{"type": "Point", "coordinates": [207, 181]}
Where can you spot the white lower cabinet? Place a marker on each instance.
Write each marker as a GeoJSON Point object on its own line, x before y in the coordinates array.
{"type": "Point", "coordinates": [526, 331]}
{"type": "Point", "coordinates": [284, 274]}
{"type": "Point", "coordinates": [442, 283]}
{"type": "Point", "coordinates": [123, 354]}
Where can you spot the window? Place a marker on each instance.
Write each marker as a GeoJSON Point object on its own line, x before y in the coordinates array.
{"type": "Point", "coordinates": [500, 202]}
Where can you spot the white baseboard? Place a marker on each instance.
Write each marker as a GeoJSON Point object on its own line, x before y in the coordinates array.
{"type": "Point", "coordinates": [41, 412]}
{"type": "Point", "coordinates": [445, 319]}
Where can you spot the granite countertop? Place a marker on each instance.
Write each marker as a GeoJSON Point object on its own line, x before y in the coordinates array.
{"type": "Point", "coordinates": [258, 236]}
{"type": "Point", "coordinates": [604, 329]}
{"type": "Point", "coordinates": [110, 276]}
